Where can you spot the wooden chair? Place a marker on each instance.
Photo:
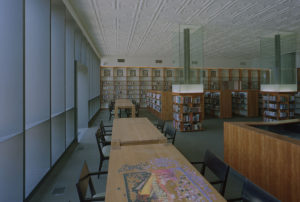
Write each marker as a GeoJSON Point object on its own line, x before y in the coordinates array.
{"type": "Point", "coordinates": [84, 182]}
{"type": "Point", "coordinates": [106, 140]}
{"type": "Point", "coordinates": [170, 134]}
{"type": "Point", "coordinates": [218, 167]}
{"type": "Point", "coordinates": [103, 150]}
{"type": "Point", "coordinates": [160, 124]}
{"type": "Point", "coordinates": [137, 110]}
{"type": "Point", "coordinates": [104, 128]}
{"type": "Point", "coordinates": [252, 192]}
{"type": "Point", "coordinates": [111, 111]}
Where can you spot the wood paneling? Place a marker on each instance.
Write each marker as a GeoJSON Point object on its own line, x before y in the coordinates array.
{"type": "Point", "coordinates": [253, 103]}
{"type": "Point", "coordinates": [270, 160]}
{"type": "Point", "coordinates": [226, 104]}
{"type": "Point", "coordinates": [166, 105]}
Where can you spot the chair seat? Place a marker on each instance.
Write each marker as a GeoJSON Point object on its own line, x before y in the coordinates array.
{"type": "Point", "coordinates": [107, 138]}
{"type": "Point", "coordinates": [99, 195]}
{"type": "Point", "coordinates": [106, 150]}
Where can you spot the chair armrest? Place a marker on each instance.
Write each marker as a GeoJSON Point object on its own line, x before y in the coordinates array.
{"type": "Point", "coordinates": [92, 199]}
{"type": "Point", "coordinates": [108, 126]}
{"type": "Point", "coordinates": [94, 173]}
{"type": "Point", "coordinates": [109, 134]}
{"type": "Point", "coordinates": [235, 199]}
{"type": "Point", "coordinates": [196, 162]}
{"type": "Point", "coordinates": [216, 182]}
{"type": "Point", "coordinates": [98, 173]}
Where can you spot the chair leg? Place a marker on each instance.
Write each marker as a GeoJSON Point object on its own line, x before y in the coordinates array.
{"type": "Point", "coordinates": [100, 166]}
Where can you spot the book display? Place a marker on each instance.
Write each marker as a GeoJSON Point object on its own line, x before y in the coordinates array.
{"type": "Point", "coordinates": [279, 101]}
{"type": "Point", "coordinates": [297, 103]}
{"type": "Point", "coordinates": [159, 104]}
{"type": "Point", "coordinates": [134, 82]}
{"type": "Point", "coordinates": [218, 104]}
{"type": "Point", "coordinates": [245, 103]}
{"type": "Point", "coordinates": [278, 106]}
{"type": "Point", "coordinates": [188, 111]}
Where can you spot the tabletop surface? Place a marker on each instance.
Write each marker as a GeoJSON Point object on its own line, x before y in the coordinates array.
{"type": "Point", "coordinates": [123, 103]}
{"type": "Point", "coordinates": [131, 131]}
{"type": "Point", "coordinates": [155, 172]}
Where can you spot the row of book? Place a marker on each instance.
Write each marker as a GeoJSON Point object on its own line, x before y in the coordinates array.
{"type": "Point", "coordinates": [273, 98]}
{"type": "Point", "coordinates": [186, 117]}
{"type": "Point", "coordinates": [186, 100]}
{"type": "Point", "coordinates": [187, 126]}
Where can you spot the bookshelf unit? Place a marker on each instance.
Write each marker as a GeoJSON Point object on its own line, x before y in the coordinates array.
{"type": "Point", "coordinates": [218, 103]}
{"type": "Point", "coordinates": [134, 82]}
{"type": "Point", "coordinates": [278, 106]}
{"type": "Point", "coordinates": [158, 103]}
{"type": "Point", "coordinates": [245, 103]}
{"type": "Point", "coordinates": [297, 103]}
{"type": "Point", "coordinates": [188, 111]}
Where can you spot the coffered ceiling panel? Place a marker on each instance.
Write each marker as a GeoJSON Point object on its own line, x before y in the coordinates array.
{"type": "Point", "coordinates": [232, 28]}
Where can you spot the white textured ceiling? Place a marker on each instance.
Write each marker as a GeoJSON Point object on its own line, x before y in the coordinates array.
{"type": "Point", "coordinates": [232, 28]}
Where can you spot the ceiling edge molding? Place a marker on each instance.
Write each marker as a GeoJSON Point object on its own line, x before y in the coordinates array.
{"type": "Point", "coordinates": [80, 25]}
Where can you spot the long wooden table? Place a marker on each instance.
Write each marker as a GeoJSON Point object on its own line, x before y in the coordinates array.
{"type": "Point", "coordinates": [124, 104]}
{"type": "Point", "coordinates": [155, 172]}
{"type": "Point", "coordinates": [133, 131]}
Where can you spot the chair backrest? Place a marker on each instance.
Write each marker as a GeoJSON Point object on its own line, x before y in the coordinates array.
{"type": "Point", "coordinates": [111, 107]}
{"type": "Point", "coordinates": [84, 182]}
{"type": "Point", "coordinates": [112, 103]}
{"type": "Point", "coordinates": [218, 167]}
{"type": "Point", "coordinates": [99, 142]}
{"type": "Point", "coordinates": [102, 128]}
{"type": "Point", "coordinates": [252, 192]}
{"type": "Point", "coordinates": [170, 133]}
{"type": "Point", "coordinates": [161, 123]}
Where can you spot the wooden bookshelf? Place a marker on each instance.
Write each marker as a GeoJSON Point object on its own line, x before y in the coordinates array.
{"type": "Point", "coordinates": [134, 82]}
{"type": "Point", "coordinates": [188, 111]}
{"type": "Point", "coordinates": [245, 103]}
{"type": "Point", "coordinates": [297, 103]}
{"type": "Point", "coordinates": [159, 104]}
{"type": "Point", "coordinates": [218, 103]}
{"type": "Point", "coordinates": [278, 106]}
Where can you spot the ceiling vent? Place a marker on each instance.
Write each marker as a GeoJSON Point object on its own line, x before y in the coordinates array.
{"type": "Point", "coordinates": [158, 61]}
{"type": "Point", "coordinates": [121, 60]}
{"type": "Point", "coordinates": [242, 63]}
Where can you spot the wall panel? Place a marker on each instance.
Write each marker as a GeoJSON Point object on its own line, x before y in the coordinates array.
{"type": "Point", "coordinates": [37, 155]}
{"type": "Point", "coordinates": [11, 76]}
{"type": "Point", "coordinates": [58, 139]}
{"type": "Point", "coordinates": [37, 62]}
{"type": "Point", "coordinates": [70, 126]}
{"type": "Point", "coordinates": [70, 69]}
{"type": "Point", "coordinates": [57, 58]}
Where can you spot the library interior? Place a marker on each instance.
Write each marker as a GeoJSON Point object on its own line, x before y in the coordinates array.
{"type": "Point", "coordinates": [157, 100]}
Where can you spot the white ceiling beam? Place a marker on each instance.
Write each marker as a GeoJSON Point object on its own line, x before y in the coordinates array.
{"type": "Point", "coordinates": [80, 25]}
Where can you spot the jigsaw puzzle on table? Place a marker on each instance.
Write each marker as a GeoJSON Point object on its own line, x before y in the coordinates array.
{"type": "Point", "coordinates": [164, 180]}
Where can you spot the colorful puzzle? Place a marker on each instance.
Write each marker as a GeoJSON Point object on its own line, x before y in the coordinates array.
{"type": "Point", "coordinates": [163, 180]}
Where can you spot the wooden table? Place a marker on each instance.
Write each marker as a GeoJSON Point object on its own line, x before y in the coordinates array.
{"type": "Point", "coordinates": [146, 172]}
{"type": "Point", "coordinates": [133, 131]}
{"type": "Point", "coordinates": [124, 104]}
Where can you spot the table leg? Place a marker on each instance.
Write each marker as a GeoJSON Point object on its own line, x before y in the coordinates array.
{"type": "Point", "coordinates": [133, 111]}
{"type": "Point", "coordinates": [116, 112]}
